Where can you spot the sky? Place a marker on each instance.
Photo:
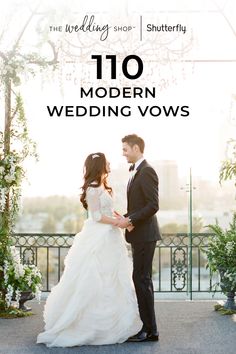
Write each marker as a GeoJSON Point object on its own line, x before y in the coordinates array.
{"type": "Point", "coordinates": [207, 87]}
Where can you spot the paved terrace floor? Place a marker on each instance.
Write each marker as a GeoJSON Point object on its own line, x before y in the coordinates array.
{"type": "Point", "coordinates": [185, 328]}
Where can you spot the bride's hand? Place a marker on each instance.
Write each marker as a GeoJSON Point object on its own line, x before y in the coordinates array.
{"type": "Point", "coordinates": [117, 215]}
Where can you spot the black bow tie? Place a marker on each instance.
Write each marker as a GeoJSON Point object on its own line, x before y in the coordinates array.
{"type": "Point", "coordinates": [132, 167]}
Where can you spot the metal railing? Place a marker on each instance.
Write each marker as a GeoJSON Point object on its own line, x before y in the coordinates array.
{"type": "Point", "coordinates": [179, 259]}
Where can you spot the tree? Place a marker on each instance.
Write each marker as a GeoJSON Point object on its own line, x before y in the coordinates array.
{"type": "Point", "coordinates": [73, 225]}
{"type": "Point", "coordinates": [173, 228]}
{"type": "Point", "coordinates": [49, 225]}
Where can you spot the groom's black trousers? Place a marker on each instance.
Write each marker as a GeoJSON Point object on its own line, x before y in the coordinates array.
{"type": "Point", "coordinates": [143, 253]}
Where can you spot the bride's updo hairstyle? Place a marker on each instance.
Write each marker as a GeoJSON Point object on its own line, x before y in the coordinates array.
{"type": "Point", "coordinates": [95, 174]}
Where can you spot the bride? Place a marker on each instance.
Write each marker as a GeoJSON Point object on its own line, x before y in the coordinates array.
{"type": "Point", "coordinates": [94, 303]}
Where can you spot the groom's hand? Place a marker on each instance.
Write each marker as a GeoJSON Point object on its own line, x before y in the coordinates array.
{"type": "Point", "coordinates": [123, 223]}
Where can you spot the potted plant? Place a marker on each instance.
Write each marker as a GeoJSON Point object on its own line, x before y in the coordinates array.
{"type": "Point", "coordinates": [221, 256]}
{"type": "Point", "coordinates": [22, 282]}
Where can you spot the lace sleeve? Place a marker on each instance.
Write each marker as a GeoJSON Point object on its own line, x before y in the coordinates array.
{"type": "Point", "coordinates": [93, 201]}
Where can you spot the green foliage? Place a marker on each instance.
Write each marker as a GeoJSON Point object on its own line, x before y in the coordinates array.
{"type": "Point", "coordinates": [11, 176]}
{"type": "Point", "coordinates": [12, 173]}
{"type": "Point", "coordinates": [221, 255]}
{"type": "Point", "coordinates": [56, 206]}
{"type": "Point", "coordinates": [228, 167]}
{"type": "Point", "coordinates": [49, 225]}
{"type": "Point", "coordinates": [223, 310]}
{"type": "Point", "coordinates": [73, 225]}
{"type": "Point", "coordinates": [11, 164]}
{"type": "Point", "coordinates": [12, 312]}
{"type": "Point", "coordinates": [30, 278]}
{"type": "Point", "coordinates": [18, 278]}
{"type": "Point", "coordinates": [174, 228]}
{"type": "Point", "coordinates": [197, 225]}
{"type": "Point", "coordinates": [228, 170]}
{"type": "Point", "coordinates": [15, 145]}
{"type": "Point", "coordinates": [15, 66]}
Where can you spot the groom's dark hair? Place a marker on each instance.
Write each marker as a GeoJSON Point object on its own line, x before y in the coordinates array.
{"type": "Point", "coordinates": [134, 139]}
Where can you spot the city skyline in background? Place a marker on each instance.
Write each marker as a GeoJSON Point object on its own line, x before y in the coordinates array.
{"type": "Point", "coordinates": [210, 201]}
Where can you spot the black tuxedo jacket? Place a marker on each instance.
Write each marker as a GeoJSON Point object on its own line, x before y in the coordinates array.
{"type": "Point", "coordinates": [142, 205]}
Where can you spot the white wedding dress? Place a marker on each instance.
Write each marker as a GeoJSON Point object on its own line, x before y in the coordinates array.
{"type": "Point", "coordinates": [94, 303]}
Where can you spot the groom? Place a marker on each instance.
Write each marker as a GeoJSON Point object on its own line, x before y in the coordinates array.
{"type": "Point", "coordinates": [143, 231]}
